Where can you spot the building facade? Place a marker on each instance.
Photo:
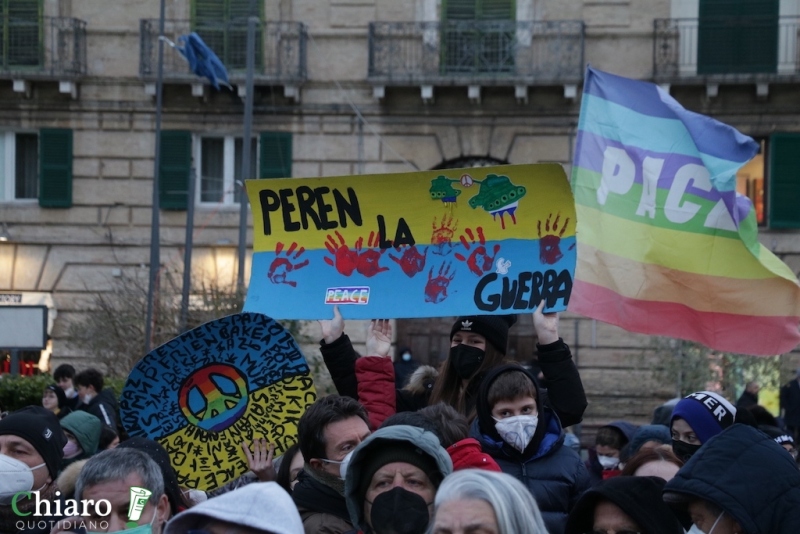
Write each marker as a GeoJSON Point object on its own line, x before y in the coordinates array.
{"type": "Point", "coordinates": [348, 87]}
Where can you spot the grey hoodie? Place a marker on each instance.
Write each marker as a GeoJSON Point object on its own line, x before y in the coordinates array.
{"type": "Point", "coordinates": [426, 441]}
{"type": "Point", "coordinates": [263, 507]}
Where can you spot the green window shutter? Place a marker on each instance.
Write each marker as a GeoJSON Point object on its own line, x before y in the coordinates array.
{"type": "Point", "coordinates": [784, 180]}
{"type": "Point", "coordinates": [174, 169]}
{"type": "Point", "coordinates": [55, 168]}
{"type": "Point", "coordinates": [22, 20]}
{"type": "Point", "coordinates": [737, 36]}
{"type": "Point", "coordinates": [276, 155]}
{"type": "Point", "coordinates": [479, 10]}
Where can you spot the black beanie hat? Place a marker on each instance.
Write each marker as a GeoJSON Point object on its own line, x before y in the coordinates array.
{"type": "Point", "coordinates": [398, 452]}
{"type": "Point", "coordinates": [62, 397]}
{"type": "Point", "coordinates": [493, 327]}
{"type": "Point", "coordinates": [41, 429]}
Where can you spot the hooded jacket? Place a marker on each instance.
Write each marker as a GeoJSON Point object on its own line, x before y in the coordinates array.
{"type": "Point", "coordinates": [426, 441]}
{"type": "Point", "coordinates": [748, 475]}
{"type": "Point", "coordinates": [638, 497]}
{"type": "Point", "coordinates": [259, 507]}
{"type": "Point", "coordinates": [553, 473]}
{"type": "Point", "coordinates": [86, 429]}
{"type": "Point", "coordinates": [593, 464]}
{"type": "Point", "coordinates": [104, 406]}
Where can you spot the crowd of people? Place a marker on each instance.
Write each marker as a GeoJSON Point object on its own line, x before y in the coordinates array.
{"type": "Point", "coordinates": [477, 446]}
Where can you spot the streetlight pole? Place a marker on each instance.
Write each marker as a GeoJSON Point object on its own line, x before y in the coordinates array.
{"type": "Point", "coordinates": [155, 249]}
{"type": "Point", "coordinates": [252, 20]}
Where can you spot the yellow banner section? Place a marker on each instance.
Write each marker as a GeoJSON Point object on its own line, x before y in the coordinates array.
{"type": "Point", "coordinates": [406, 208]}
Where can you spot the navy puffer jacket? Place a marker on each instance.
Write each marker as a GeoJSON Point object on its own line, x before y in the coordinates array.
{"type": "Point", "coordinates": [554, 474]}
{"type": "Point", "coordinates": [748, 475]}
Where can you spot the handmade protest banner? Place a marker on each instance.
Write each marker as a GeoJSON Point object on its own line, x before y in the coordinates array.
{"type": "Point", "coordinates": [419, 244]}
{"type": "Point", "coordinates": [666, 244]}
{"type": "Point", "coordinates": [203, 393]}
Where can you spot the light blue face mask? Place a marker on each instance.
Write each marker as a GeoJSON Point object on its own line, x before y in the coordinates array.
{"type": "Point", "coordinates": [139, 529]}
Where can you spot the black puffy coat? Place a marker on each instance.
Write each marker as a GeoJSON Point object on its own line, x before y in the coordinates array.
{"type": "Point", "coordinates": [748, 475]}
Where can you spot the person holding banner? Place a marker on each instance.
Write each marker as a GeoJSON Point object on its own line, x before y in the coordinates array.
{"type": "Point", "coordinates": [478, 343]}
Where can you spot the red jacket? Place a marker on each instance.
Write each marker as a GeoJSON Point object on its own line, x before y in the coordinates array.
{"type": "Point", "coordinates": [467, 454]}
{"type": "Point", "coordinates": [376, 388]}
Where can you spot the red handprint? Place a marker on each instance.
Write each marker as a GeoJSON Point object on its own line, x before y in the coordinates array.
{"type": "Point", "coordinates": [369, 259]}
{"type": "Point", "coordinates": [281, 266]}
{"type": "Point", "coordinates": [479, 260]}
{"type": "Point", "coordinates": [411, 261]}
{"type": "Point", "coordinates": [549, 244]}
{"type": "Point", "coordinates": [436, 288]}
{"type": "Point", "coordinates": [345, 260]}
{"type": "Point", "coordinates": [442, 235]}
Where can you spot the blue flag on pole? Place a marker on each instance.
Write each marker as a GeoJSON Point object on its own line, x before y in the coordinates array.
{"type": "Point", "coordinates": [202, 60]}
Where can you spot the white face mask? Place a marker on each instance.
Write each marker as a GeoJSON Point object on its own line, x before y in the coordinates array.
{"type": "Point", "coordinates": [342, 464]}
{"type": "Point", "coordinates": [17, 476]}
{"type": "Point", "coordinates": [518, 430]}
{"type": "Point", "coordinates": [86, 399]}
{"type": "Point", "coordinates": [715, 523]}
{"type": "Point", "coordinates": [608, 462]}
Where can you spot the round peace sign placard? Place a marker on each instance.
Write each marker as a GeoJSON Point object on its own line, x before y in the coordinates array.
{"type": "Point", "coordinates": [203, 393]}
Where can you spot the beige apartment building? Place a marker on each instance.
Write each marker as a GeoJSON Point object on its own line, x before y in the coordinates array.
{"type": "Point", "coordinates": [348, 87]}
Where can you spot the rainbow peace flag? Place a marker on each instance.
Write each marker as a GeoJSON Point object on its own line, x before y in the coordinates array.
{"type": "Point", "coordinates": [665, 244]}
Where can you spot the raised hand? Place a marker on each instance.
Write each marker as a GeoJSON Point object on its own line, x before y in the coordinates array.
{"type": "Point", "coordinates": [260, 459]}
{"type": "Point", "coordinates": [333, 329]}
{"type": "Point", "coordinates": [545, 324]}
{"type": "Point", "coordinates": [379, 337]}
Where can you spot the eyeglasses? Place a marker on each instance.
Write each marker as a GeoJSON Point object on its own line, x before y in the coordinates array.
{"type": "Point", "coordinates": [613, 532]}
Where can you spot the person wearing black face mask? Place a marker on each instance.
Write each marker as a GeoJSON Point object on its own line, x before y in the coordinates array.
{"type": "Point", "coordinates": [697, 418]}
{"type": "Point", "coordinates": [478, 344]}
{"type": "Point", "coordinates": [392, 479]}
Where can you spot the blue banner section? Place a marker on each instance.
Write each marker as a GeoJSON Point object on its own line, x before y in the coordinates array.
{"type": "Point", "coordinates": [429, 281]}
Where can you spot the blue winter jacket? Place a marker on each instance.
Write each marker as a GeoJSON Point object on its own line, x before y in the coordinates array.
{"type": "Point", "coordinates": [748, 475]}
{"type": "Point", "coordinates": [554, 473]}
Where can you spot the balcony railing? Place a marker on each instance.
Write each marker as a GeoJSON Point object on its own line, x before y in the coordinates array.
{"type": "Point", "coordinates": [751, 49]}
{"type": "Point", "coordinates": [43, 48]}
{"type": "Point", "coordinates": [280, 50]}
{"type": "Point", "coordinates": [483, 52]}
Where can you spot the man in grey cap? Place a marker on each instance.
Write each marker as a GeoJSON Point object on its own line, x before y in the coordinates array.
{"type": "Point", "coordinates": [790, 406]}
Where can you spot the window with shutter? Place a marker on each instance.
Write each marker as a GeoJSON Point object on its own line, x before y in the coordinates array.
{"type": "Point", "coordinates": [55, 168]}
{"type": "Point", "coordinates": [276, 155]}
{"type": "Point", "coordinates": [21, 33]}
{"type": "Point", "coordinates": [174, 168]}
{"type": "Point", "coordinates": [477, 37]}
{"type": "Point", "coordinates": [223, 26]}
{"type": "Point", "coordinates": [221, 176]}
{"type": "Point", "coordinates": [784, 180]}
{"type": "Point", "coordinates": [737, 36]}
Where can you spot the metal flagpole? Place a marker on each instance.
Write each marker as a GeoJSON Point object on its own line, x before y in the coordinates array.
{"type": "Point", "coordinates": [187, 252]}
{"type": "Point", "coordinates": [155, 250]}
{"type": "Point", "coordinates": [248, 125]}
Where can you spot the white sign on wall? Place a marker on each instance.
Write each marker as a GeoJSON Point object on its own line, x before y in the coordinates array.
{"type": "Point", "coordinates": [23, 327]}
